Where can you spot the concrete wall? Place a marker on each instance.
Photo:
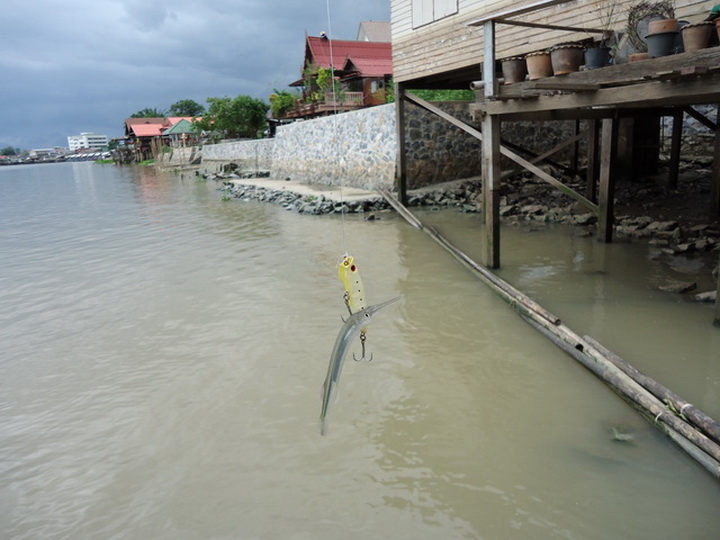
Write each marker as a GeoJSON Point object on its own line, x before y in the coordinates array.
{"type": "Point", "coordinates": [252, 155]}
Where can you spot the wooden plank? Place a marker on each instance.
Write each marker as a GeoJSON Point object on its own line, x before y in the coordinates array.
{"type": "Point", "coordinates": [517, 11]}
{"type": "Point", "coordinates": [608, 151]}
{"type": "Point", "coordinates": [549, 179]}
{"type": "Point", "coordinates": [551, 26]}
{"type": "Point", "coordinates": [445, 116]}
{"type": "Point", "coordinates": [704, 120]}
{"type": "Point", "coordinates": [656, 93]}
{"type": "Point", "coordinates": [559, 83]}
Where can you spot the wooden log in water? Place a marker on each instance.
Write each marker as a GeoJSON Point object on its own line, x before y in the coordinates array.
{"type": "Point", "coordinates": [694, 415]}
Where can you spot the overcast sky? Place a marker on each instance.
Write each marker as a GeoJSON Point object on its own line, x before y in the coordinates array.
{"type": "Point", "coordinates": [69, 66]}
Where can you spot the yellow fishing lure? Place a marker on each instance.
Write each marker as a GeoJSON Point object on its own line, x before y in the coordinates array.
{"type": "Point", "coordinates": [354, 291]}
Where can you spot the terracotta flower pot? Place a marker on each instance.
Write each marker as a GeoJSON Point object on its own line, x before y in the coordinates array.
{"type": "Point", "coordinates": [538, 65]}
{"type": "Point", "coordinates": [662, 25]}
{"type": "Point", "coordinates": [638, 57]}
{"type": "Point", "coordinates": [566, 58]}
{"type": "Point", "coordinates": [697, 36]}
{"type": "Point", "coordinates": [514, 69]}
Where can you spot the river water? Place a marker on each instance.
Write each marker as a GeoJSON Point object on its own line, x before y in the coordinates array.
{"type": "Point", "coordinates": [163, 350]}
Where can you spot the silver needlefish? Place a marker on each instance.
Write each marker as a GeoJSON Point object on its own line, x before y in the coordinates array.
{"type": "Point", "coordinates": [352, 326]}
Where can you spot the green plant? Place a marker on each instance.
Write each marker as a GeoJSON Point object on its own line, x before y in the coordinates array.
{"type": "Point", "coordinates": [606, 15]}
{"type": "Point", "coordinates": [282, 101]}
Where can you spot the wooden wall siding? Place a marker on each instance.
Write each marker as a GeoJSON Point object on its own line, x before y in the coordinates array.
{"type": "Point", "coordinates": [449, 44]}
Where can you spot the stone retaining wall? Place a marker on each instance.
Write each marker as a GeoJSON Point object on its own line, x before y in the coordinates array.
{"type": "Point", "coordinates": [358, 148]}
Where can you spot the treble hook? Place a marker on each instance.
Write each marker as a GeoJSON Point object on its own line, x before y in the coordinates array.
{"type": "Point", "coordinates": [363, 337]}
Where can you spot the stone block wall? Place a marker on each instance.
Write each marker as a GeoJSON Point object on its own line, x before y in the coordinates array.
{"type": "Point", "coordinates": [356, 148]}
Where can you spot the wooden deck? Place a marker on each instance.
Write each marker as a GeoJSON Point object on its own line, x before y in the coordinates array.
{"type": "Point", "coordinates": [691, 78]}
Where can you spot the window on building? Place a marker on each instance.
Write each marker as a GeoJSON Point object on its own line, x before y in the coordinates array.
{"type": "Point", "coordinates": [427, 11]}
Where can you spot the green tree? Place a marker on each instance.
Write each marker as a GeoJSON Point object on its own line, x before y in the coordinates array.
{"type": "Point", "coordinates": [242, 116]}
{"type": "Point", "coordinates": [149, 113]}
{"type": "Point", "coordinates": [8, 151]}
{"type": "Point", "coordinates": [186, 107]}
{"type": "Point", "coordinates": [282, 101]}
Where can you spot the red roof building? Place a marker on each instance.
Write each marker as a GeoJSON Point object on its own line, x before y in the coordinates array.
{"type": "Point", "coordinates": [363, 68]}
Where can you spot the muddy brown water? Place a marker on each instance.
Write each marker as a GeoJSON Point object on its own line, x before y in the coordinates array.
{"type": "Point", "coordinates": [163, 351]}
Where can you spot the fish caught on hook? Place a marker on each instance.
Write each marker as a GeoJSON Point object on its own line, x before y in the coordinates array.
{"type": "Point", "coordinates": [352, 326]}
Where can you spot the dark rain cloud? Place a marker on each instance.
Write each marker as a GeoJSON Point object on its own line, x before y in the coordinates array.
{"type": "Point", "coordinates": [75, 66]}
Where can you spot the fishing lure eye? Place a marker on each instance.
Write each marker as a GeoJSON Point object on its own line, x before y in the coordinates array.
{"type": "Point", "coordinates": [353, 268]}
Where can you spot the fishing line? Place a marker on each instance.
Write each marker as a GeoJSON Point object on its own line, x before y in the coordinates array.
{"type": "Point", "coordinates": [335, 126]}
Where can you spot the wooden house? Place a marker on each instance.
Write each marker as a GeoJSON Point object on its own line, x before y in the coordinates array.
{"type": "Point", "coordinates": [460, 43]}
{"type": "Point", "coordinates": [439, 44]}
{"type": "Point", "coordinates": [363, 69]}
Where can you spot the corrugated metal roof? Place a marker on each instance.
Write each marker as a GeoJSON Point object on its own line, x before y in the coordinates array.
{"type": "Point", "coordinates": [146, 130]}
{"type": "Point", "coordinates": [369, 67]}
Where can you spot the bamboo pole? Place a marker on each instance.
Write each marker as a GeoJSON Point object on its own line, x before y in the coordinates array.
{"type": "Point", "coordinates": [674, 402]}
{"type": "Point", "coordinates": [700, 447]}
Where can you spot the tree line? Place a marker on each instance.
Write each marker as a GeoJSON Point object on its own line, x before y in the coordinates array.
{"type": "Point", "coordinates": [224, 118]}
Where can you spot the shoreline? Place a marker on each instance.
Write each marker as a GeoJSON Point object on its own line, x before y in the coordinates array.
{"type": "Point", "coordinates": [670, 220]}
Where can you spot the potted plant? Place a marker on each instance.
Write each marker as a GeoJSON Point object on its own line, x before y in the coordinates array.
{"type": "Point", "coordinates": [538, 65]}
{"type": "Point", "coordinates": [697, 36]}
{"type": "Point", "coordinates": [598, 53]}
{"type": "Point", "coordinates": [652, 27]}
{"type": "Point", "coordinates": [566, 57]}
{"type": "Point", "coordinates": [514, 69]}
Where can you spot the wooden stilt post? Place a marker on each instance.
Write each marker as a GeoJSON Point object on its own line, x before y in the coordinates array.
{"type": "Point", "coordinates": [576, 148]}
{"type": "Point", "coordinates": [717, 299]}
{"type": "Point", "coordinates": [674, 171]}
{"type": "Point", "coordinates": [491, 189]}
{"type": "Point", "coordinates": [715, 192]}
{"type": "Point", "coordinates": [401, 166]}
{"type": "Point", "coordinates": [608, 153]}
{"type": "Point", "coordinates": [592, 160]}
{"type": "Point", "coordinates": [491, 155]}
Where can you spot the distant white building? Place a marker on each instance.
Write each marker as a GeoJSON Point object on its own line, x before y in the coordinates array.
{"type": "Point", "coordinates": [87, 140]}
